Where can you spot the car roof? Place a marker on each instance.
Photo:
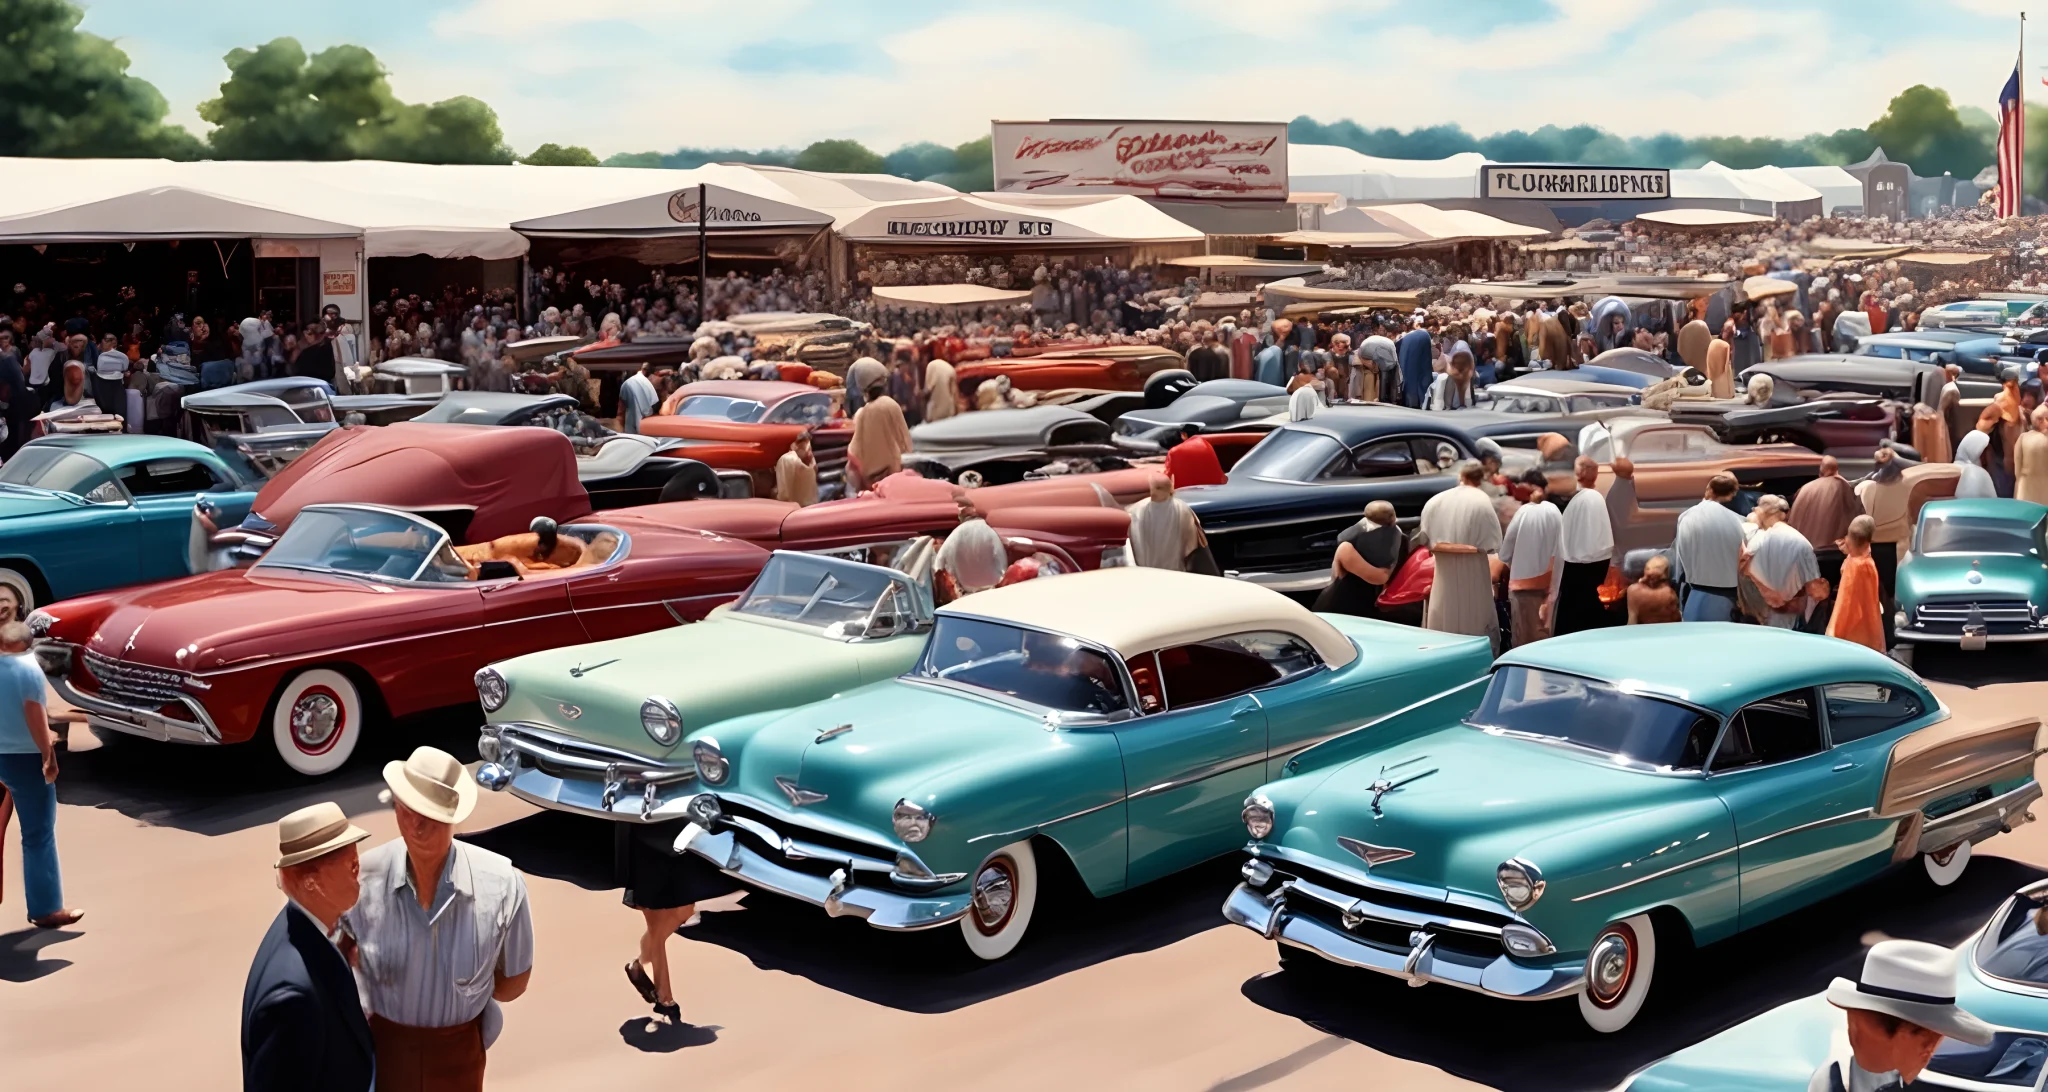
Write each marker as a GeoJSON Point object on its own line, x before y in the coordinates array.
{"type": "Point", "coordinates": [121, 448]}
{"type": "Point", "coordinates": [1133, 610]}
{"type": "Point", "coordinates": [765, 391]}
{"type": "Point", "coordinates": [456, 405]}
{"type": "Point", "coordinates": [1236, 389]}
{"type": "Point", "coordinates": [1931, 337]}
{"type": "Point", "coordinates": [1560, 384]}
{"type": "Point", "coordinates": [2019, 511]}
{"type": "Point", "coordinates": [1667, 661]}
{"type": "Point", "coordinates": [1351, 425]}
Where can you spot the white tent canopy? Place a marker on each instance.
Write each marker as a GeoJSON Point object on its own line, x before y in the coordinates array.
{"type": "Point", "coordinates": [1406, 225]}
{"type": "Point", "coordinates": [1004, 218]}
{"type": "Point", "coordinates": [1360, 177]}
{"type": "Point", "coordinates": [1836, 186]}
{"type": "Point", "coordinates": [949, 295]}
{"type": "Point", "coordinates": [165, 212]}
{"type": "Point", "coordinates": [675, 213]}
{"type": "Point", "coordinates": [1693, 217]}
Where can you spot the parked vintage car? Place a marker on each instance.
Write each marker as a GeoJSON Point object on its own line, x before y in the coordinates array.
{"type": "Point", "coordinates": [1975, 351]}
{"type": "Point", "coordinates": [747, 424]}
{"type": "Point", "coordinates": [1120, 368]}
{"type": "Point", "coordinates": [1847, 426]}
{"type": "Point", "coordinates": [1106, 722]}
{"type": "Point", "coordinates": [260, 426]}
{"type": "Point", "coordinates": [1906, 381]}
{"type": "Point", "coordinates": [83, 513]}
{"type": "Point", "coordinates": [361, 612]}
{"type": "Point", "coordinates": [1640, 794]}
{"type": "Point", "coordinates": [2001, 979]}
{"type": "Point", "coordinates": [1674, 462]}
{"type": "Point", "coordinates": [609, 743]}
{"type": "Point", "coordinates": [1974, 315]}
{"type": "Point", "coordinates": [997, 446]}
{"type": "Point", "coordinates": [1218, 404]}
{"type": "Point", "coordinates": [1633, 367]}
{"type": "Point", "coordinates": [1557, 393]}
{"type": "Point", "coordinates": [1977, 574]}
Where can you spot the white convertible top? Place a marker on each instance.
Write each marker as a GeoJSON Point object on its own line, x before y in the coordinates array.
{"type": "Point", "coordinates": [1137, 610]}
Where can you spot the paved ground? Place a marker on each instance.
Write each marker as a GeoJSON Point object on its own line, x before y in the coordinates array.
{"type": "Point", "coordinates": [168, 849]}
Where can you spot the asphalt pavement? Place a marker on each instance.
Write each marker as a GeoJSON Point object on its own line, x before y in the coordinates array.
{"type": "Point", "coordinates": [169, 850]}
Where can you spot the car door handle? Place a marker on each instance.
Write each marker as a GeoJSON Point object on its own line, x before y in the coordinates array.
{"type": "Point", "coordinates": [1245, 708]}
{"type": "Point", "coordinates": [1846, 766]}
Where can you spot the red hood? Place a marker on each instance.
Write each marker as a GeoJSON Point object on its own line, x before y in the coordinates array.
{"type": "Point", "coordinates": [218, 619]}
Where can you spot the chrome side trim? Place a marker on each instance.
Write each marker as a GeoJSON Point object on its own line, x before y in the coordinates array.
{"type": "Point", "coordinates": [1714, 856]}
{"type": "Point", "coordinates": [1215, 769]}
{"type": "Point", "coordinates": [1832, 820]}
{"type": "Point", "coordinates": [1048, 823]}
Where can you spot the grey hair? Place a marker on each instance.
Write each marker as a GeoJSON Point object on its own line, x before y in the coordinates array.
{"type": "Point", "coordinates": [1772, 502]}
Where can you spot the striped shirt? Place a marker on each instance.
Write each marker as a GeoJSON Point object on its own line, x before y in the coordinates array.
{"type": "Point", "coordinates": [435, 968]}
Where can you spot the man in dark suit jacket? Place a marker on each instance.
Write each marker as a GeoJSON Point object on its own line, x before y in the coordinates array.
{"type": "Point", "coordinates": [302, 1020]}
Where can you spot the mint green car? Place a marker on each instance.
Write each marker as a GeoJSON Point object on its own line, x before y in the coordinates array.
{"type": "Point", "coordinates": [597, 729]}
{"type": "Point", "coordinates": [1543, 833]}
{"type": "Point", "coordinates": [1103, 724]}
{"type": "Point", "coordinates": [1977, 574]}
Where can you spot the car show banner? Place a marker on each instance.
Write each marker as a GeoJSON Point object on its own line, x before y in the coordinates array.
{"type": "Point", "coordinates": [1552, 182]}
{"type": "Point", "coordinates": [1234, 160]}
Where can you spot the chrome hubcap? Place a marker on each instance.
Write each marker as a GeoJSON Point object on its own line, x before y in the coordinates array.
{"type": "Point", "coordinates": [1607, 969]}
{"type": "Point", "coordinates": [315, 720]}
{"type": "Point", "coordinates": [994, 893]}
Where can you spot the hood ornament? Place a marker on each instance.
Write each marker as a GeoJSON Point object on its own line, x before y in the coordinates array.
{"type": "Point", "coordinates": [1375, 855]}
{"type": "Point", "coordinates": [573, 712]}
{"type": "Point", "coordinates": [798, 797]}
{"type": "Point", "coordinates": [830, 732]}
{"type": "Point", "coordinates": [1382, 785]}
{"type": "Point", "coordinates": [579, 670]}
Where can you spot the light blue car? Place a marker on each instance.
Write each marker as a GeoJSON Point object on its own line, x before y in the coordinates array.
{"type": "Point", "coordinates": [1542, 833]}
{"type": "Point", "coordinates": [84, 513]}
{"type": "Point", "coordinates": [2001, 978]}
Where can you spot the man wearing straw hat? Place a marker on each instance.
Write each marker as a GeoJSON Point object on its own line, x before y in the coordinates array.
{"type": "Point", "coordinates": [302, 1019]}
{"type": "Point", "coordinates": [444, 933]}
{"type": "Point", "coordinates": [1900, 1008]}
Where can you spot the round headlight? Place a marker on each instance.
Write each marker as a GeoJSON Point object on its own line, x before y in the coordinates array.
{"type": "Point", "coordinates": [1258, 816]}
{"type": "Point", "coordinates": [39, 623]}
{"type": "Point", "coordinates": [492, 689]}
{"type": "Point", "coordinates": [1521, 883]}
{"type": "Point", "coordinates": [912, 823]}
{"type": "Point", "coordinates": [663, 723]}
{"type": "Point", "coordinates": [711, 763]}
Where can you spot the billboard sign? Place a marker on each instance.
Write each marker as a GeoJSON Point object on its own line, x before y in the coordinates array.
{"type": "Point", "coordinates": [1550, 182]}
{"type": "Point", "coordinates": [1225, 160]}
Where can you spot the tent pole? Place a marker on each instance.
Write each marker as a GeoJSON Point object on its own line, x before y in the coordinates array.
{"type": "Point", "coordinates": [703, 252]}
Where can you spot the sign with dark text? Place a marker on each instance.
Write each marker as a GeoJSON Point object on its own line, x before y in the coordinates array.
{"type": "Point", "coordinates": [1233, 160]}
{"type": "Point", "coordinates": [992, 228]}
{"type": "Point", "coordinates": [1555, 183]}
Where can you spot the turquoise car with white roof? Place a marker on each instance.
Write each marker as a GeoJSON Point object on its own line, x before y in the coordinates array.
{"type": "Point", "coordinates": [1543, 832]}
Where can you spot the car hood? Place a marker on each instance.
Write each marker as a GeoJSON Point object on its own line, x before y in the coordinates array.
{"type": "Point", "coordinates": [19, 502]}
{"type": "Point", "coordinates": [244, 616]}
{"type": "Point", "coordinates": [720, 668]}
{"type": "Point", "coordinates": [903, 735]}
{"type": "Point", "coordinates": [2004, 576]}
{"type": "Point", "coordinates": [1479, 800]}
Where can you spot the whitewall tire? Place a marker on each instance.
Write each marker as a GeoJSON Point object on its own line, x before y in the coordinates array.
{"type": "Point", "coordinates": [1619, 973]}
{"type": "Point", "coordinates": [24, 590]}
{"type": "Point", "coordinates": [1947, 867]}
{"type": "Point", "coordinates": [317, 722]}
{"type": "Point", "coordinates": [1005, 892]}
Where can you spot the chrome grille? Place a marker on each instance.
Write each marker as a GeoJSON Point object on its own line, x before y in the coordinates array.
{"type": "Point", "coordinates": [1993, 610]}
{"type": "Point", "coordinates": [135, 684]}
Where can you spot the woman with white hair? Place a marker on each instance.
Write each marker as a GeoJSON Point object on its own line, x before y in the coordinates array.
{"type": "Point", "coordinates": [1976, 481]}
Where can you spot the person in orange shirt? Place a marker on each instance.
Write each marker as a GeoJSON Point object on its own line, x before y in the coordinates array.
{"type": "Point", "coordinates": [1859, 611]}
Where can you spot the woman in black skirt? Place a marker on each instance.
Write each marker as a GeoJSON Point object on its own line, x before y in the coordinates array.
{"type": "Point", "coordinates": [665, 887]}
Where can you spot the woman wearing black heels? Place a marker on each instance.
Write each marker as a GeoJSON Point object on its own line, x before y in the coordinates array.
{"type": "Point", "coordinates": [665, 887]}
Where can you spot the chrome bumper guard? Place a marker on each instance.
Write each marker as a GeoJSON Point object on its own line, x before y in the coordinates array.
{"type": "Point", "coordinates": [1420, 964]}
{"type": "Point", "coordinates": [599, 781]}
{"type": "Point", "coordinates": [1981, 820]}
{"type": "Point", "coordinates": [137, 721]}
{"type": "Point", "coordinates": [838, 894]}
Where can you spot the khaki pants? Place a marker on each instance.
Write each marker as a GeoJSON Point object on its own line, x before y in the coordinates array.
{"type": "Point", "coordinates": [1524, 611]}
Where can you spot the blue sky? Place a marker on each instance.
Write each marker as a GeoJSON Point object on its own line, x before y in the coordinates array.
{"type": "Point", "coordinates": [635, 75]}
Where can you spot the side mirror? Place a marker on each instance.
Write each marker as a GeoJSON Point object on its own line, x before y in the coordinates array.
{"type": "Point", "coordinates": [497, 570]}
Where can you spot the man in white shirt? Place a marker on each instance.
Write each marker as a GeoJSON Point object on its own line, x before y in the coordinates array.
{"type": "Point", "coordinates": [1530, 551]}
{"type": "Point", "coordinates": [1585, 547]}
{"type": "Point", "coordinates": [1707, 552]}
{"type": "Point", "coordinates": [636, 400]}
{"type": "Point", "coordinates": [1783, 565]}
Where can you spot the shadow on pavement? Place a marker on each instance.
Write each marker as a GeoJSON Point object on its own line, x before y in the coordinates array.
{"type": "Point", "coordinates": [1988, 667]}
{"type": "Point", "coordinates": [21, 957]}
{"type": "Point", "coordinates": [220, 790]}
{"type": "Point", "coordinates": [571, 848]}
{"type": "Point", "coordinates": [656, 1036]}
{"type": "Point", "coordinates": [1539, 1047]}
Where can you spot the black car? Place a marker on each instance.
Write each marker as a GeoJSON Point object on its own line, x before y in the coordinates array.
{"type": "Point", "coordinates": [996, 447]}
{"type": "Point", "coordinates": [618, 469]}
{"type": "Point", "coordinates": [1276, 519]}
{"type": "Point", "coordinates": [1213, 406]}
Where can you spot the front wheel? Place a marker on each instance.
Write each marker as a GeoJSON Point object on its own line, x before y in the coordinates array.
{"type": "Point", "coordinates": [1946, 867]}
{"type": "Point", "coordinates": [1005, 890]}
{"type": "Point", "coordinates": [1619, 972]}
{"type": "Point", "coordinates": [317, 721]}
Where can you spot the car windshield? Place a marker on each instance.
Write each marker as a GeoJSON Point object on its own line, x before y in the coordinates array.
{"type": "Point", "coordinates": [367, 542]}
{"type": "Point", "coordinates": [1599, 716]}
{"type": "Point", "coordinates": [1289, 455]}
{"type": "Point", "coordinates": [2015, 944]}
{"type": "Point", "coordinates": [1941, 533]}
{"type": "Point", "coordinates": [827, 593]}
{"type": "Point", "coordinates": [718, 407]}
{"type": "Point", "coordinates": [61, 470]}
{"type": "Point", "coordinates": [1043, 669]}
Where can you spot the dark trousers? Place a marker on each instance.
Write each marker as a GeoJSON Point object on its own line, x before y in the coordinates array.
{"type": "Point", "coordinates": [1886, 555]}
{"type": "Point", "coordinates": [411, 1059]}
{"type": "Point", "coordinates": [1578, 598]}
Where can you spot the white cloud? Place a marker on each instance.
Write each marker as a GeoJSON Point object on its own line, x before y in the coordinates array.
{"type": "Point", "coordinates": [703, 20]}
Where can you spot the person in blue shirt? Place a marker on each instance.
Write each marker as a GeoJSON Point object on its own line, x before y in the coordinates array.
{"type": "Point", "coordinates": [1276, 362]}
{"type": "Point", "coordinates": [28, 768]}
{"type": "Point", "coordinates": [1417, 352]}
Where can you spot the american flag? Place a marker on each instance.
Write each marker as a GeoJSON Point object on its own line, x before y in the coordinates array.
{"type": "Point", "coordinates": [2011, 126]}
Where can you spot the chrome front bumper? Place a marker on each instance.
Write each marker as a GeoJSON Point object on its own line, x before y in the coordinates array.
{"type": "Point", "coordinates": [1981, 820]}
{"type": "Point", "coordinates": [137, 721]}
{"type": "Point", "coordinates": [838, 894]}
{"type": "Point", "coordinates": [1420, 964]}
{"type": "Point", "coordinates": [593, 780]}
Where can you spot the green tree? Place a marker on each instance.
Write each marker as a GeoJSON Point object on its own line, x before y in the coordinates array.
{"type": "Point", "coordinates": [1921, 127]}
{"type": "Point", "coordinates": [974, 168]}
{"type": "Point", "coordinates": [839, 157]}
{"type": "Point", "coordinates": [278, 103]}
{"type": "Point", "coordinates": [560, 155]}
{"type": "Point", "coordinates": [629, 159]}
{"type": "Point", "coordinates": [67, 93]}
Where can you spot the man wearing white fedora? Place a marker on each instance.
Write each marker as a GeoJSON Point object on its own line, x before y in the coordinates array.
{"type": "Point", "coordinates": [1899, 1008]}
{"type": "Point", "coordinates": [444, 933]}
